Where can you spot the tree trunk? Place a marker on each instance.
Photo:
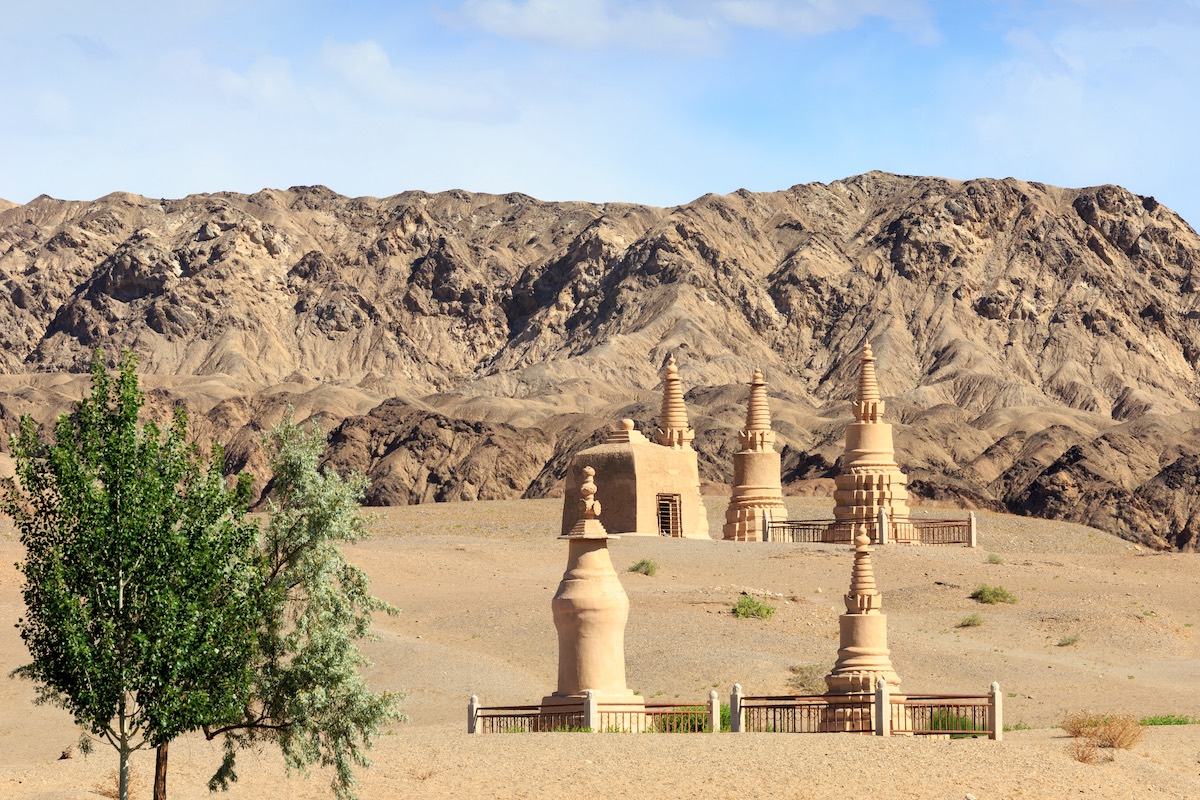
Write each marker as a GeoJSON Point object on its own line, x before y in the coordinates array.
{"type": "Point", "coordinates": [160, 772]}
{"type": "Point", "coordinates": [123, 779]}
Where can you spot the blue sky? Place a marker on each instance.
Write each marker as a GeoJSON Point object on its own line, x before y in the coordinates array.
{"type": "Point", "coordinates": [656, 102]}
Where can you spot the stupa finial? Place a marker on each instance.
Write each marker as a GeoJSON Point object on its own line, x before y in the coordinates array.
{"type": "Point", "coordinates": [864, 596]}
{"type": "Point", "coordinates": [868, 405]}
{"type": "Point", "coordinates": [589, 506]}
{"type": "Point", "coordinates": [588, 525]}
{"type": "Point", "coordinates": [673, 429]}
{"type": "Point", "coordinates": [758, 413]}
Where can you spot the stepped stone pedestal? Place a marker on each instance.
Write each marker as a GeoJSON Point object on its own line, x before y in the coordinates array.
{"type": "Point", "coordinates": [757, 486]}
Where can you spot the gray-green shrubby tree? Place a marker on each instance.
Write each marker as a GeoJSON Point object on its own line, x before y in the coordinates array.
{"type": "Point", "coordinates": [308, 695]}
{"type": "Point", "coordinates": [142, 579]}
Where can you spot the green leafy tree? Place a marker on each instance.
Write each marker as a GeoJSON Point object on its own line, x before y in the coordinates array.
{"type": "Point", "coordinates": [141, 577]}
{"type": "Point", "coordinates": [308, 695]}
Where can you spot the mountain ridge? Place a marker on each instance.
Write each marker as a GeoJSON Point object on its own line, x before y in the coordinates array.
{"type": "Point", "coordinates": [1013, 321]}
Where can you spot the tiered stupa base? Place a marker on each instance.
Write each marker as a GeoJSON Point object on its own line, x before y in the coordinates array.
{"type": "Point", "coordinates": [744, 518]}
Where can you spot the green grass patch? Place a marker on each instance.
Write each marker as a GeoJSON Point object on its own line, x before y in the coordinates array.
{"type": "Point", "coordinates": [748, 606]}
{"type": "Point", "coordinates": [958, 726]}
{"type": "Point", "coordinates": [994, 558]}
{"type": "Point", "coordinates": [1067, 641]}
{"type": "Point", "coordinates": [991, 595]}
{"type": "Point", "coordinates": [693, 720]}
{"type": "Point", "coordinates": [970, 621]}
{"type": "Point", "coordinates": [1168, 719]}
{"type": "Point", "coordinates": [1018, 726]}
{"type": "Point", "coordinates": [645, 567]}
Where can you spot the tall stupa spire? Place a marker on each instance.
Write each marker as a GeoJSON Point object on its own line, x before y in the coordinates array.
{"type": "Point", "coordinates": [869, 405]}
{"type": "Point", "coordinates": [673, 428]}
{"type": "Point", "coordinates": [757, 492]}
{"type": "Point", "coordinates": [758, 416]}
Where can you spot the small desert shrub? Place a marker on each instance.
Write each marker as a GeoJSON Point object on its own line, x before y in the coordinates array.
{"type": "Point", "coordinates": [992, 595]}
{"type": "Point", "coordinates": [970, 621]}
{"type": "Point", "coordinates": [1168, 719]}
{"type": "Point", "coordinates": [645, 567]}
{"type": "Point", "coordinates": [1018, 726]}
{"type": "Point", "coordinates": [994, 558]}
{"type": "Point", "coordinates": [1085, 752]}
{"type": "Point", "coordinates": [1118, 731]}
{"type": "Point", "coordinates": [747, 606]}
{"type": "Point", "coordinates": [808, 678]}
{"type": "Point", "coordinates": [1067, 641]}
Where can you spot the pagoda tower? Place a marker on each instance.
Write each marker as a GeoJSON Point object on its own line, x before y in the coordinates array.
{"type": "Point", "coordinates": [756, 472]}
{"type": "Point", "coordinates": [870, 479]}
{"type": "Point", "coordinates": [590, 612]}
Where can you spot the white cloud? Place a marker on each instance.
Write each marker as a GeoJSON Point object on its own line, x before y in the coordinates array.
{"type": "Point", "coordinates": [591, 23]}
{"type": "Point", "coordinates": [684, 25]}
{"type": "Point", "coordinates": [365, 69]}
{"type": "Point", "coordinates": [817, 17]}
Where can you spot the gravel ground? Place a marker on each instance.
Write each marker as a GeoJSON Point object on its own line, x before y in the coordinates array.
{"type": "Point", "coordinates": [1099, 624]}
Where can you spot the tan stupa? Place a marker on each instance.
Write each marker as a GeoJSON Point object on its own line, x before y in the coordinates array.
{"type": "Point", "coordinates": [863, 655]}
{"type": "Point", "coordinates": [870, 479]}
{"type": "Point", "coordinates": [756, 472]}
{"type": "Point", "coordinates": [590, 612]}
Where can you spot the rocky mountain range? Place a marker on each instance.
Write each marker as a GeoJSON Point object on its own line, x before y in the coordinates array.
{"type": "Point", "coordinates": [1038, 346]}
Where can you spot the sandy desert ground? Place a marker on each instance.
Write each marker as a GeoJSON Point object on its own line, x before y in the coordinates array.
{"type": "Point", "coordinates": [474, 582]}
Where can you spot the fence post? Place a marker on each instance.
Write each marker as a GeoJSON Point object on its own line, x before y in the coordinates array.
{"type": "Point", "coordinates": [735, 709]}
{"type": "Point", "coordinates": [971, 529]}
{"type": "Point", "coordinates": [766, 525]}
{"type": "Point", "coordinates": [714, 712]}
{"type": "Point", "coordinates": [591, 712]}
{"type": "Point", "coordinates": [996, 712]}
{"type": "Point", "coordinates": [883, 708]}
{"type": "Point", "coordinates": [882, 522]}
{"type": "Point", "coordinates": [472, 714]}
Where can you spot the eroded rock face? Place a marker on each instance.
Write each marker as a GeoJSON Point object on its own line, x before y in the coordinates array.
{"type": "Point", "coordinates": [411, 455]}
{"type": "Point", "coordinates": [1024, 332]}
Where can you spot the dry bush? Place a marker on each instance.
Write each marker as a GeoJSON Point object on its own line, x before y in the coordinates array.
{"type": "Point", "coordinates": [808, 678]}
{"type": "Point", "coordinates": [1117, 731]}
{"type": "Point", "coordinates": [1085, 752]}
{"type": "Point", "coordinates": [110, 789]}
{"type": "Point", "coordinates": [1121, 732]}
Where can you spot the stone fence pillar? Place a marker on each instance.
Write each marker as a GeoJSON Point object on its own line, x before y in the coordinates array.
{"type": "Point", "coordinates": [971, 529]}
{"type": "Point", "coordinates": [996, 712]}
{"type": "Point", "coordinates": [473, 714]}
{"type": "Point", "coordinates": [883, 708]}
{"type": "Point", "coordinates": [766, 525]}
{"type": "Point", "coordinates": [591, 712]}
{"type": "Point", "coordinates": [882, 524]}
{"type": "Point", "coordinates": [735, 709]}
{"type": "Point", "coordinates": [714, 712]}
